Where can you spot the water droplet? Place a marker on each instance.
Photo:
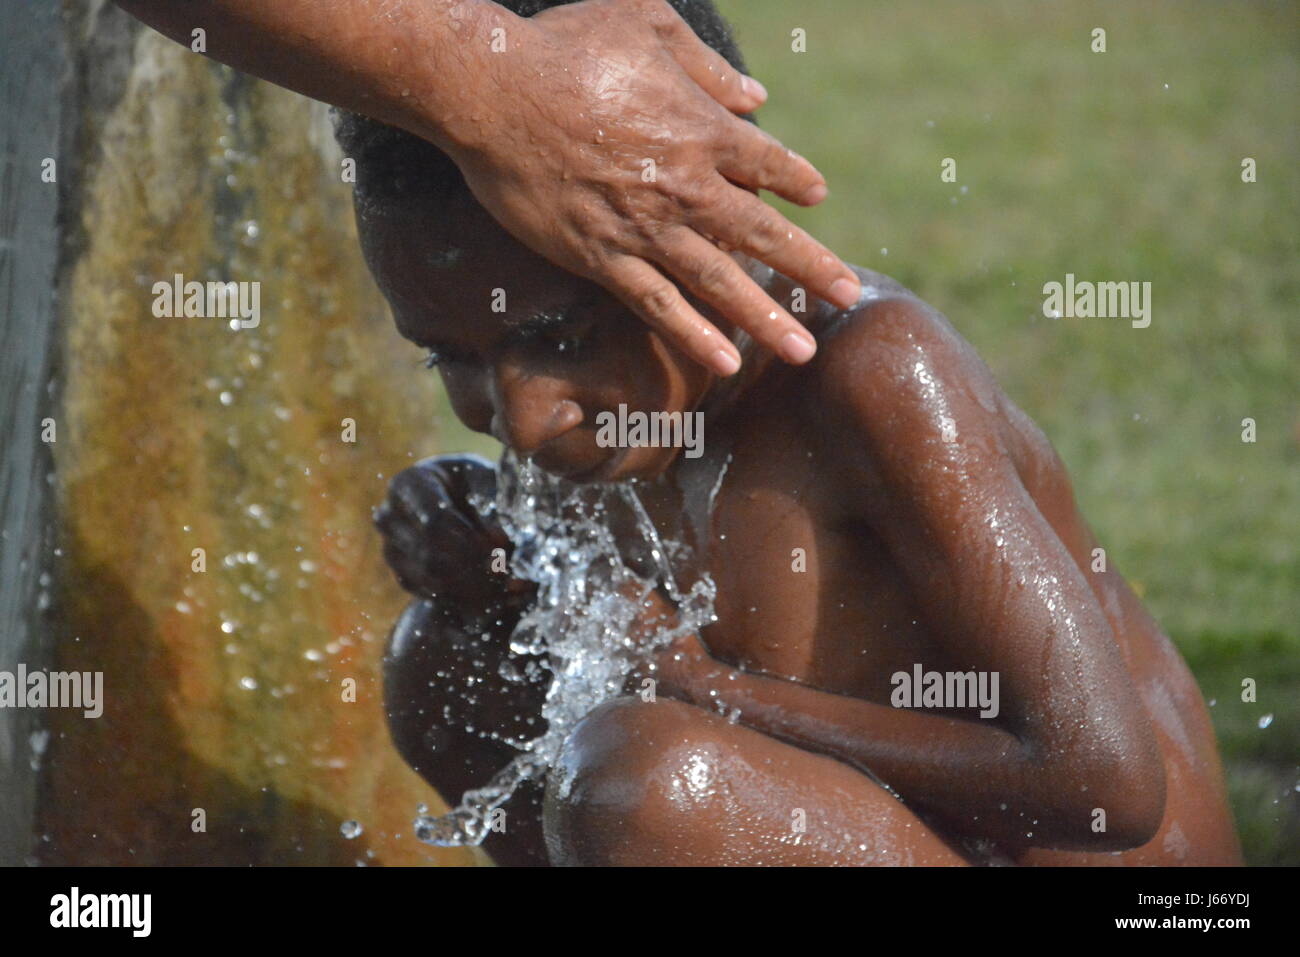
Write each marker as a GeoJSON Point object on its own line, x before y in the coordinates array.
{"type": "Point", "coordinates": [351, 829]}
{"type": "Point", "coordinates": [587, 601]}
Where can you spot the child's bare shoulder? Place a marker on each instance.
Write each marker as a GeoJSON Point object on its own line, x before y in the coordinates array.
{"type": "Point", "coordinates": [893, 349]}
{"type": "Point", "coordinates": [895, 371]}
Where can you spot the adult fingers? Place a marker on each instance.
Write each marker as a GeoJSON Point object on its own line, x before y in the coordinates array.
{"type": "Point", "coordinates": [716, 278]}
{"type": "Point", "coordinates": [745, 222]}
{"type": "Point", "coordinates": [653, 297]}
{"type": "Point", "coordinates": [709, 68]}
{"type": "Point", "coordinates": [754, 158]}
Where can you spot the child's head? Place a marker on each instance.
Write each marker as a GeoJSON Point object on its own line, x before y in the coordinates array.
{"type": "Point", "coordinates": [529, 352]}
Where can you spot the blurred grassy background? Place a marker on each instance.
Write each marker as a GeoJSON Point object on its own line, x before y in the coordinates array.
{"type": "Point", "coordinates": [1123, 165]}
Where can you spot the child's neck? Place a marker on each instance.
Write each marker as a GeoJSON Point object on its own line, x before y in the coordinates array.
{"type": "Point", "coordinates": [679, 500]}
{"type": "Point", "coordinates": [757, 362]}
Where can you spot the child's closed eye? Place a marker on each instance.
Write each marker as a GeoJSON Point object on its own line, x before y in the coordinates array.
{"type": "Point", "coordinates": [568, 342]}
{"type": "Point", "coordinates": [442, 356]}
{"type": "Point", "coordinates": [568, 337]}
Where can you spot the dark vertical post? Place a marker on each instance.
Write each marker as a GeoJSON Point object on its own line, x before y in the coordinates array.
{"type": "Point", "coordinates": [35, 62]}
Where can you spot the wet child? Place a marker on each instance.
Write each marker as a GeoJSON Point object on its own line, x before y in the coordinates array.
{"type": "Point", "coordinates": [893, 542]}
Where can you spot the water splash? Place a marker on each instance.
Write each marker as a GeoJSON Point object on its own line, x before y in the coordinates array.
{"type": "Point", "coordinates": [588, 602]}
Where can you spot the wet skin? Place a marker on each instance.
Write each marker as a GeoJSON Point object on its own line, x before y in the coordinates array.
{"type": "Point", "coordinates": [937, 527]}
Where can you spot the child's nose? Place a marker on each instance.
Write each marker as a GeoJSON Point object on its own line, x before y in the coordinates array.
{"type": "Point", "coordinates": [527, 417]}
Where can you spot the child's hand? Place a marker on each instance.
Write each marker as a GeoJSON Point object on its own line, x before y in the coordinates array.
{"type": "Point", "coordinates": [438, 544]}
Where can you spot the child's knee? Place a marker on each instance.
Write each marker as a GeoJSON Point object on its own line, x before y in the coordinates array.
{"type": "Point", "coordinates": [632, 784]}
{"type": "Point", "coordinates": [668, 783]}
{"type": "Point", "coordinates": [450, 713]}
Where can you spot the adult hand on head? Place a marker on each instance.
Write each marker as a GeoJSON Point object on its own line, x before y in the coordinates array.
{"type": "Point", "coordinates": [602, 135]}
{"type": "Point", "coordinates": [604, 138]}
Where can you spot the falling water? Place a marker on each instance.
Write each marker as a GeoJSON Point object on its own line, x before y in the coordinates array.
{"type": "Point", "coordinates": [588, 599]}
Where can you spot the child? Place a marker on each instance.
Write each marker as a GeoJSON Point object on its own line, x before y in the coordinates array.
{"type": "Point", "coordinates": [887, 524]}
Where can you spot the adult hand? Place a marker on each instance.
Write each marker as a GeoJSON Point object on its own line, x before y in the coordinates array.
{"type": "Point", "coordinates": [605, 139]}
{"type": "Point", "coordinates": [602, 136]}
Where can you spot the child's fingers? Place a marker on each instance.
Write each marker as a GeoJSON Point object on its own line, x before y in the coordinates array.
{"type": "Point", "coordinates": [654, 298]}
{"type": "Point", "coordinates": [719, 280]}
{"type": "Point", "coordinates": [427, 501]}
{"type": "Point", "coordinates": [747, 223]}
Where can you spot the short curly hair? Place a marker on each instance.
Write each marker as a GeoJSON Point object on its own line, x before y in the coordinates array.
{"type": "Point", "coordinates": [392, 163]}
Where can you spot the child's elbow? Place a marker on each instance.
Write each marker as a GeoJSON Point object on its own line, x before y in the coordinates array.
{"type": "Point", "coordinates": [1116, 783]}
{"type": "Point", "coordinates": [1128, 805]}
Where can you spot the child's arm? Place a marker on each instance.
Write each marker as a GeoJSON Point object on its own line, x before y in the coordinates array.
{"type": "Point", "coordinates": [999, 591]}
{"type": "Point", "coordinates": [455, 695]}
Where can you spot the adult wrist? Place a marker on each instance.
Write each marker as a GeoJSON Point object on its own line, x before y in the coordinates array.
{"type": "Point", "coordinates": [461, 75]}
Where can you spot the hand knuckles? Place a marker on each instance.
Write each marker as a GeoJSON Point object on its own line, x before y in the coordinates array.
{"type": "Point", "coordinates": [593, 259]}
{"type": "Point", "coordinates": [657, 300]}
{"type": "Point", "coordinates": [658, 13]}
{"type": "Point", "coordinates": [596, 223]}
{"type": "Point", "coordinates": [652, 229]}
{"type": "Point", "coordinates": [764, 171]}
{"type": "Point", "coordinates": [713, 277]}
{"type": "Point", "coordinates": [697, 193]}
{"type": "Point", "coordinates": [767, 234]}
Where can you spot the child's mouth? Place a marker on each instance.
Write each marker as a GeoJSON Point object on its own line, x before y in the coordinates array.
{"type": "Point", "coordinates": [602, 471]}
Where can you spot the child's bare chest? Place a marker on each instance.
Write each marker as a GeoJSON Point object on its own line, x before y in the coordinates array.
{"type": "Point", "coordinates": [802, 593]}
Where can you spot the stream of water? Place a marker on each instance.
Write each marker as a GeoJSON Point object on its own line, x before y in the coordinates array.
{"type": "Point", "coordinates": [588, 598]}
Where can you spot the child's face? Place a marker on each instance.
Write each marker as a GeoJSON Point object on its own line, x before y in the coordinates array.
{"type": "Point", "coordinates": [556, 351]}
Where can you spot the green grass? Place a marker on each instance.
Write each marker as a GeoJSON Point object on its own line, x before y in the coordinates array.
{"type": "Point", "coordinates": [1084, 162]}
{"type": "Point", "coordinates": [1122, 165]}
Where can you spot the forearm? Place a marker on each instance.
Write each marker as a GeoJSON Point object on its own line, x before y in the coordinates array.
{"type": "Point", "coordinates": [974, 776]}
{"type": "Point", "coordinates": [355, 54]}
